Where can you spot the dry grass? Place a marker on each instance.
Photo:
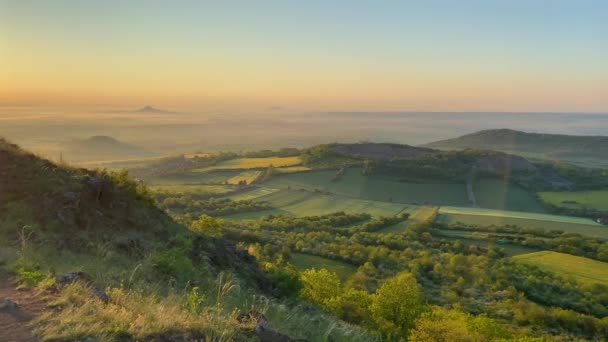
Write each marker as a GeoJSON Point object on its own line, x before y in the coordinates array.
{"type": "Point", "coordinates": [131, 314]}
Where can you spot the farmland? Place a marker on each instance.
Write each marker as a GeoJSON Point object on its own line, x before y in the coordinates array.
{"type": "Point", "coordinates": [254, 163]}
{"type": "Point", "coordinates": [583, 269]}
{"type": "Point", "coordinates": [192, 177]}
{"type": "Point", "coordinates": [375, 187]}
{"type": "Point", "coordinates": [246, 176]}
{"type": "Point", "coordinates": [417, 215]}
{"type": "Point", "coordinates": [306, 261]}
{"type": "Point", "coordinates": [193, 188]}
{"type": "Point", "coordinates": [309, 203]}
{"type": "Point", "coordinates": [499, 194]}
{"type": "Point", "coordinates": [597, 200]}
{"type": "Point", "coordinates": [487, 217]}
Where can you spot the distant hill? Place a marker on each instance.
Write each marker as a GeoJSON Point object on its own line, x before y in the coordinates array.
{"type": "Point", "coordinates": [150, 109]}
{"type": "Point", "coordinates": [397, 158]}
{"type": "Point", "coordinates": [103, 147]}
{"type": "Point", "coordinates": [581, 150]}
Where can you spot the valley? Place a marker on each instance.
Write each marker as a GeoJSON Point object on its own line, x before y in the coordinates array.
{"type": "Point", "coordinates": [357, 216]}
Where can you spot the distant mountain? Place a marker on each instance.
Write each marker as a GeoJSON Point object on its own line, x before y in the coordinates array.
{"type": "Point", "coordinates": [582, 150]}
{"type": "Point", "coordinates": [103, 147]}
{"type": "Point", "coordinates": [150, 109]}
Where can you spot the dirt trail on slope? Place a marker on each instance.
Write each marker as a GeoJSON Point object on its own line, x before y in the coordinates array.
{"type": "Point", "coordinates": [14, 322]}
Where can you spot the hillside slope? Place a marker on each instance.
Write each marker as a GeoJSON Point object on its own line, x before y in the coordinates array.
{"type": "Point", "coordinates": [582, 150]}
{"type": "Point", "coordinates": [107, 265]}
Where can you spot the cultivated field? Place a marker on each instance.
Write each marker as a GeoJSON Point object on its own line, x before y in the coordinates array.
{"type": "Point", "coordinates": [253, 193]}
{"type": "Point", "coordinates": [306, 261]}
{"type": "Point", "coordinates": [577, 199]}
{"type": "Point", "coordinates": [192, 177]}
{"type": "Point", "coordinates": [417, 215]}
{"type": "Point", "coordinates": [246, 176]}
{"type": "Point", "coordinates": [488, 217]}
{"type": "Point", "coordinates": [309, 203]}
{"type": "Point", "coordinates": [375, 187]}
{"type": "Point", "coordinates": [583, 269]}
{"type": "Point", "coordinates": [498, 194]}
{"type": "Point", "coordinates": [254, 163]}
{"type": "Point", "coordinates": [193, 188]}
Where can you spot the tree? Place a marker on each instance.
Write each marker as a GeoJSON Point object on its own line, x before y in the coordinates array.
{"type": "Point", "coordinates": [396, 305]}
{"type": "Point", "coordinates": [351, 306]}
{"type": "Point", "coordinates": [208, 225]}
{"type": "Point", "coordinates": [319, 286]}
{"type": "Point", "coordinates": [443, 325]}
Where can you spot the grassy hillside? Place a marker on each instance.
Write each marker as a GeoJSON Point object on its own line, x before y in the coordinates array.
{"type": "Point", "coordinates": [582, 150]}
{"type": "Point", "coordinates": [583, 269]}
{"type": "Point", "coordinates": [160, 281]}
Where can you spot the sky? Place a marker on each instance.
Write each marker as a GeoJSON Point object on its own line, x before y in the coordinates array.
{"type": "Point", "coordinates": [486, 55]}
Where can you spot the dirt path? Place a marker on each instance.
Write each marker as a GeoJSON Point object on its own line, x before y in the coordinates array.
{"type": "Point", "coordinates": [14, 325]}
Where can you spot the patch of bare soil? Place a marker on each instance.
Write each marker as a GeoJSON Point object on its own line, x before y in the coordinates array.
{"type": "Point", "coordinates": [17, 309]}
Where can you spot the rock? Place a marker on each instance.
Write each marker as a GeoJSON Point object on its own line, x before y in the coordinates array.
{"type": "Point", "coordinates": [8, 304]}
{"type": "Point", "coordinates": [73, 277]}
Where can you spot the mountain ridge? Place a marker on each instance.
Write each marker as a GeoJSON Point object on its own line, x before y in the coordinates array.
{"type": "Point", "coordinates": [577, 149]}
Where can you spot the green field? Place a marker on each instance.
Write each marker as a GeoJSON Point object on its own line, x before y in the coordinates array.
{"type": "Point", "coordinates": [308, 203]}
{"type": "Point", "coordinates": [292, 169]}
{"type": "Point", "coordinates": [375, 187]}
{"type": "Point", "coordinates": [193, 188]}
{"type": "Point", "coordinates": [488, 217]}
{"type": "Point", "coordinates": [252, 193]}
{"type": "Point", "coordinates": [247, 176]}
{"type": "Point", "coordinates": [254, 163]}
{"type": "Point", "coordinates": [583, 269]}
{"type": "Point", "coordinates": [306, 261]}
{"type": "Point", "coordinates": [193, 177]}
{"type": "Point", "coordinates": [577, 199]}
{"type": "Point", "coordinates": [499, 194]}
{"type": "Point", "coordinates": [417, 215]}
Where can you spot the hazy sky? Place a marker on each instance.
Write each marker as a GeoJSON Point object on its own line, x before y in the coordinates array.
{"type": "Point", "coordinates": [528, 55]}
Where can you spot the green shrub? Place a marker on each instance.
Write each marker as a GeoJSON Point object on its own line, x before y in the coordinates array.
{"type": "Point", "coordinates": [174, 262]}
{"type": "Point", "coordinates": [27, 275]}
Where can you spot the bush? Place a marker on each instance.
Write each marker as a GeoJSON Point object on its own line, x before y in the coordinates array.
{"type": "Point", "coordinates": [396, 305]}
{"type": "Point", "coordinates": [174, 262]}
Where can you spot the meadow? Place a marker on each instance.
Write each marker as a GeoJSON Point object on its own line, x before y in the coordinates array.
{"type": "Point", "coordinates": [308, 203]}
{"type": "Point", "coordinates": [306, 261]}
{"type": "Point", "coordinates": [577, 199]}
{"type": "Point", "coordinates": [374, 187]}
{"type": "Point", "coordinates": [487, 217]}
{"type": "Point", "coordinates": [417, 215]}
{"type": "Point", "coordinates": [193, 189]}
{"type": "Point", "coordinates": [193, 177]}
{"type": "Point", "coordinates": [585, 270]}
{"type": "Point", "coordinates": [254, 163]}
{"type": "Point", "coordinates": [499, 194]}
